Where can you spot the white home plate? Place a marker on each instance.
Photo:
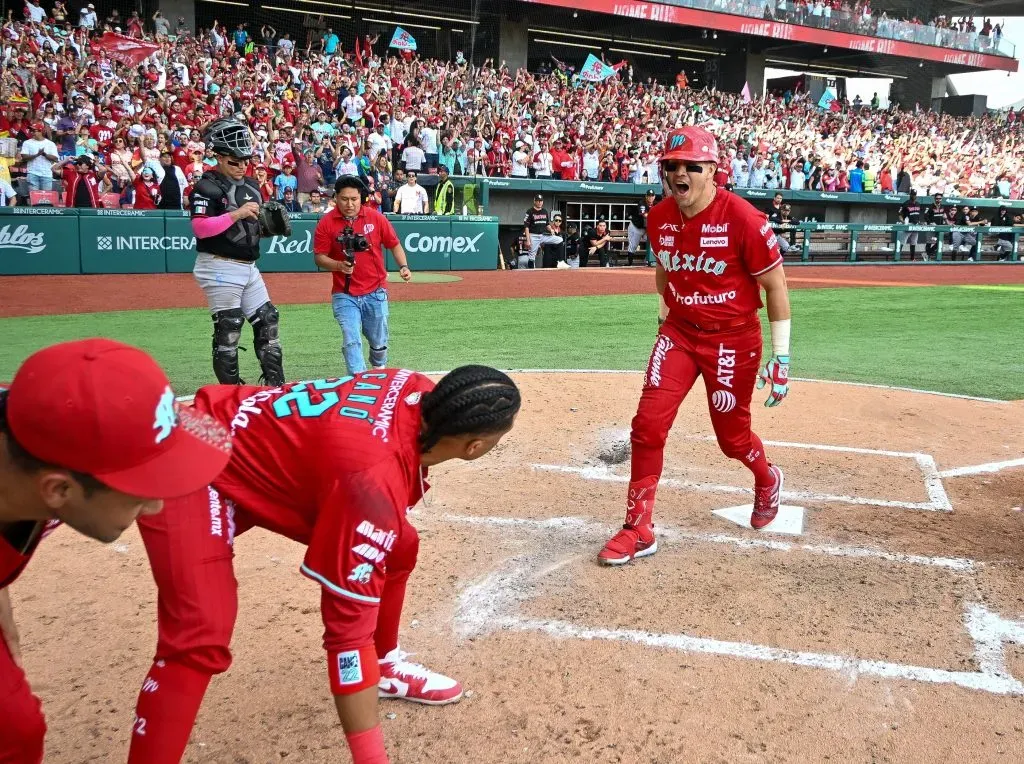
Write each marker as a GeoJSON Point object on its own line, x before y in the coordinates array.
{"type": "Point", "coordinates": [789, 520]}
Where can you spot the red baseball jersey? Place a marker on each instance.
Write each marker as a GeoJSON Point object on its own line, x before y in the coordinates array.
{"type": "Point", "coordinates": [17, 545]}
{"type": "Point", "coordinates": [333, 464]}
{"type": "Point", "coordinates": [370, 273]}
{"type": "Point", "coordinates": [712, 259]}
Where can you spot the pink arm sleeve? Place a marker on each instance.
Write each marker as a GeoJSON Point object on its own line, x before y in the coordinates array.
{"type": "Point", "coordinates": [204, 228]}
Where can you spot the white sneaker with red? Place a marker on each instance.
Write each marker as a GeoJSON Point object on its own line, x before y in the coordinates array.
{"type": "Point", "coordinates": [403, 679]}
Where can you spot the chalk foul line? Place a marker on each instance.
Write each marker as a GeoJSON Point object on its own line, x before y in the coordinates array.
{"type": "Point", "coordinates": [492, 603]}
{"type": "Point", "coordinates": [602, 473]}
{"type": "Point", "coordinates": [981, 469]}
{"type": "Point", "coordinates": [581, 528]}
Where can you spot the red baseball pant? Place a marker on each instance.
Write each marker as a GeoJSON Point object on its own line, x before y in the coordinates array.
{"type": "Point", "coordinates": [729, 362]}
{"type": "Point", "coordinates": [190, 545]}
{"type": "Point", "coordinates": [22, 726]}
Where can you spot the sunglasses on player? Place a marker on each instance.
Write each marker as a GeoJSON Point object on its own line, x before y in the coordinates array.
{"type": "Point", "coordinates": [672, 165]}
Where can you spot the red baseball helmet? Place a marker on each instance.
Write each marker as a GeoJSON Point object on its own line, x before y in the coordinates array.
{"type": "Point", "coordinates": [690, 144]}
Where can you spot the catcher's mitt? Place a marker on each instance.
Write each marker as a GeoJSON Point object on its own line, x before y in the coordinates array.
{"type": "Point", "coordinates": [274, 220]}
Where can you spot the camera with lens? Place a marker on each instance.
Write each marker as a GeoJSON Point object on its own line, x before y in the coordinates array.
{"type": "Point", "coordinates": [351, 243]}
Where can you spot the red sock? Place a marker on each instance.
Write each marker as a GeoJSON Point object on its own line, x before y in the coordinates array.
{"type": "Point", "coordinates": [165, 713]}
{"type": "Point", "coordinates": [389, 614]}
{"type": "Point", "coordinates": [758, 463]}
{"type": "Point", "coordinates": [640, 501]}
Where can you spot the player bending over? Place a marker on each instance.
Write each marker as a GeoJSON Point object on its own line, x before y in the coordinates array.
{"type": "Point", "coordinates": [90, 437]}
{"type": "Point", "coordinates": [714, 252]}
{"type": "Point", "coordinates": [335, 465]}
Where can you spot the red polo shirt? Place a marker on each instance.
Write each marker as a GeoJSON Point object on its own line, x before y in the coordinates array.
{"type": "Point", "coordinates": [370, 272]}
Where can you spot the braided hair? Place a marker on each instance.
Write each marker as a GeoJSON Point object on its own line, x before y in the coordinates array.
{"type": "Point", "coordinates": [471, 400]}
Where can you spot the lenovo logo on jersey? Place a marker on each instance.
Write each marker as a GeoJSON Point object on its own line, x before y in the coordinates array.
{"type": "Point", "coordinates": [720, 228]}
{"type": "Point", "coordinates": [385, 539]}
{"type": "Point", "coordinates": [702, 263]}
{"type": "Point", "coordinates": [714, 241]}
{"type": "Point", "coordinates": [369, 552]}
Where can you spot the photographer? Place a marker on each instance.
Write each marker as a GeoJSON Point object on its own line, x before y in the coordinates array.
{"type": "Point", "coordinates": [349, 241]}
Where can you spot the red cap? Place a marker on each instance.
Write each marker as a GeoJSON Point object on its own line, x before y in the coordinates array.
{"type": "Point", "coordinates": [690, 144]}
{"type": "Point", "coordinates": [106, 409]}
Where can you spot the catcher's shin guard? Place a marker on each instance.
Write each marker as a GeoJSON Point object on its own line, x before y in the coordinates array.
{"type": "Point", "coordinates": [266, 343]}
{"type": "Point", "coordinates": [227, 330]}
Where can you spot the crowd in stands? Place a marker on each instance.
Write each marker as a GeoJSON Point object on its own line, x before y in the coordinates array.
{"type": "Point", "coordinates": [123, 135]}
{"type": "Point", "coordinates": [860, 18]}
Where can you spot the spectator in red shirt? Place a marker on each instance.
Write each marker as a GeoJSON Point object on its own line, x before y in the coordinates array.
{"type": "Point", "coordinates": [359, 273]}
{"type": "Point", "coordinates": [146, 190]}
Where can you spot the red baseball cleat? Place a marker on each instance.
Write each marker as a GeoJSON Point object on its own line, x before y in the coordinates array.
{"type": "Point", "coordinates": [766, 500]}
{"type": "Point", "coordinates": [403, 679]}
{"type": "Point", "coordinates": [629, 544]}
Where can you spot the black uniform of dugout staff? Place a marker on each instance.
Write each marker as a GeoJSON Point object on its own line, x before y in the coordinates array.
{"type": "Point", "coordinates": [910, 214]}
{"type": "Point", "coordinates": [217, 194]}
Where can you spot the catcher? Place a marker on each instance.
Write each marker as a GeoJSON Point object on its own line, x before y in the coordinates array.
{"type": "Point", "coordinates": [228, 221]}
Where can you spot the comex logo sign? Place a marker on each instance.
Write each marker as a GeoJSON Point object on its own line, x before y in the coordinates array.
{"type": "Point", "coordinates": [415, 242]}
{"type": "Point", "coordinates": [23, 239]}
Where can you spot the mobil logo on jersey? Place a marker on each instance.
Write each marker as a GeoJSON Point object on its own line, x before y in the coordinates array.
{"type": "Point", "coordinates": [702, 263]}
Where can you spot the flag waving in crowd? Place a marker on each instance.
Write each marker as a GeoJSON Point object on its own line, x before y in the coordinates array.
{"type": "Point", "coordinates": [403, 40]}
{"type": "Point", "coordinates": [126, 50]}
{"type": "Point", "coordinates": [596, 70]}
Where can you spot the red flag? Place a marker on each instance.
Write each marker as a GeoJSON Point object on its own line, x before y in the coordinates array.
{"type": "Point", "coordinates": [126, 50]}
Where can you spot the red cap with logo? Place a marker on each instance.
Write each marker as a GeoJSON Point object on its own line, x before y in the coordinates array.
{"type": "Point", "coordinates": [690, 144]}
{"type": "Point", "coordinates": [107, 409]}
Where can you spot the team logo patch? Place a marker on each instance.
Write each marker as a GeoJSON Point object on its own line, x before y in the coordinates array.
{"type": "Point", "coordinates": [164, 417]}
{"type": "Point", "coordinates": [413, 398]}
{"type": "Point", "coordinates": [723, 401]}
{"type": "Point", "coordinates": [350, 669]}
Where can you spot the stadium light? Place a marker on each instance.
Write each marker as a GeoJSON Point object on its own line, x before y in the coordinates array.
{"type": "Point", "coordinates": [563, 42]}
{"type": "Point", "coordinates": [641, 53]}
{"type": "Point", "coordinates": [404, 23]}
{"type": "Point", "coordinates": [415, 15]}
{"type": "Point", "coordinates": [303, 11]}
{"type": "Point", "coordinates": [828, 69]}
{"type": "Point", "coordinates": [323, 2]}
{"type": "Point", "coordinates": [572, 36]}
{"type": "Point", "coordinates": [226, 2]}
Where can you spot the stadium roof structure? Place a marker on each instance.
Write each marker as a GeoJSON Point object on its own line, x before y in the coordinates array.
{"type": "Point", "coordinates": [858, 54]}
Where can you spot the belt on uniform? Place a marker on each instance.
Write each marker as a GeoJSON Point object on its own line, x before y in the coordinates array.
{"type": "Point", "coordinates": [721, 326]}
{"type": "Point", "coordinates": [229, 259]}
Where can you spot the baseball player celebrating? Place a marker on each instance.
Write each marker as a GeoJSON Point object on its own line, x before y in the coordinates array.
{"type": "Point", "coordinates": [714, 252]}
{"type": "Point", "coordinates": [228, 219]}
{"type": "Point", "coordinates": [90, 436]}
{"type": "Point", "coordinates": [335, 465]}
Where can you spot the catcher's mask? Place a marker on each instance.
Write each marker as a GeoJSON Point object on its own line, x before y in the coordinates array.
{"type": "Point", "coordinates": [228, 137]}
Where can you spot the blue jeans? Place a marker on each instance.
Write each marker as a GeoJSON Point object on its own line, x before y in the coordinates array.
{"type": "Point", "coordinates": [363, 315]}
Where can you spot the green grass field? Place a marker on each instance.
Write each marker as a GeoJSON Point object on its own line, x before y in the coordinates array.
{"type": "Point", "coordinates": [949, 339]}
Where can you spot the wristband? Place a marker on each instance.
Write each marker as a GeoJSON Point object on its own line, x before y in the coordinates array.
{"type": "Point", "coordinates": [780, 336]}
{"type": "Point", "coordinates": [367, 747]}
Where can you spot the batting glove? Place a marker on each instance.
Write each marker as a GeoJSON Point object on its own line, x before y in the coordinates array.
{"type": "Point", "coordinates": [776, 372]}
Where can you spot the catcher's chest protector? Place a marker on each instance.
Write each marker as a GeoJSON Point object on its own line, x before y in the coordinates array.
{"type": "Point", "coordinates": [242, 233]}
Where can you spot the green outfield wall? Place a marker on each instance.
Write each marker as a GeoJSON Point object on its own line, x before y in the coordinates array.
{"type": "Point", "coordinates": [45, 240]}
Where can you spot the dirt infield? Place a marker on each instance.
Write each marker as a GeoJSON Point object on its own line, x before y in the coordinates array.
{"type": "Point", "coordinates": [45, 295]}
{"type": "Point", "coordinates": [877, 635]}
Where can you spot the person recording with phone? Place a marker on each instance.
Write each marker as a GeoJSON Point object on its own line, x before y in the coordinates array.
{"type": "Point", "coordinates": [349, 242]}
